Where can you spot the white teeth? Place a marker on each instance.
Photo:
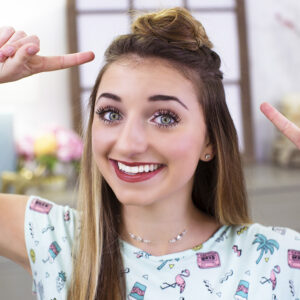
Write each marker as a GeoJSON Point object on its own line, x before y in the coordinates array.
{"type": "Point", "coordinates": [134, 170]}
{"type": "Point", "coordinates": [127, 169]}
{"type": "Point", "coordinates": [121, 166]}
{"type": "Point", "coordinates": [138, 169]}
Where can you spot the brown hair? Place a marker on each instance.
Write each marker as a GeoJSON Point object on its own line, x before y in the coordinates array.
{"type": "Point", "coordinates": [176, 37]}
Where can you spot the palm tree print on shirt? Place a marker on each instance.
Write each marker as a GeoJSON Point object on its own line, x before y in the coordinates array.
{"type": "Point", "coordinates": [265, 245]}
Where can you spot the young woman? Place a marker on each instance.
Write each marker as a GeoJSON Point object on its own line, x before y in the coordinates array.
{"type": "Point", "coordinates": [162, 210]}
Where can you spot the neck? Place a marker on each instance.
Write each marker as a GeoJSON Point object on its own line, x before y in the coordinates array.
{"type": "Point", "coordinates": [163, 221]}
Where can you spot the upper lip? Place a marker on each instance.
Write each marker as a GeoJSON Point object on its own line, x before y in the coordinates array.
{"type": "Point", "coordinates": [132, 164]}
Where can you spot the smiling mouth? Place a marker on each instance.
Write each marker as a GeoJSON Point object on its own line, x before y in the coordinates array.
{"type": "Point", "coordinates": [137, 168]}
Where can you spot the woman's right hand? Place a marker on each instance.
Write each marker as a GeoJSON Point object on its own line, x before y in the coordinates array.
{"type": "Point", "coordinates": [19, 59]}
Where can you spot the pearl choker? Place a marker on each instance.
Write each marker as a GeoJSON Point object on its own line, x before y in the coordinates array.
{"type": "Point", "coordinates": [173, 240]}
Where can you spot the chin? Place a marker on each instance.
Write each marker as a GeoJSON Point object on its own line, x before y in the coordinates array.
{"type": "Point", "coordinates": [132, 203]}
{"type": "Point", "coordinates": [134, 200]}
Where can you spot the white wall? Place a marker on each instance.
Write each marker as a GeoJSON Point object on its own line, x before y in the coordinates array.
{"type": "Point", "coordinates": [274, 61]}
{"type": "Point", "coordinates": [44, 99]}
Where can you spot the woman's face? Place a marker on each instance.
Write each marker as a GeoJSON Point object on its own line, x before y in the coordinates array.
{"type": "Point", "coordinates": [148, 132]}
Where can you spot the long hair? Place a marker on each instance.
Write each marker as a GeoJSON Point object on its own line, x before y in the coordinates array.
{"type": "Point", "coordinates": [219, 191]}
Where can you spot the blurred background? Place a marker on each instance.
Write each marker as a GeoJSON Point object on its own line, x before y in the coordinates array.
{"type": "Point", "coordinates": [41, 117]}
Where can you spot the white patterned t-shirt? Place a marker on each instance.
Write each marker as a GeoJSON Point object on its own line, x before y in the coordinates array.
{"type": "Point", "coordinates": [237, 262]}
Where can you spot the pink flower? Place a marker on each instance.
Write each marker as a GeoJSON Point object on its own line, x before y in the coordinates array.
{"type": "Point", "coordinates": [70, 145]}
{"type": "Point", "coordinates": [25, 147]}
{"type": "Point", "coordinates": [64, 144]}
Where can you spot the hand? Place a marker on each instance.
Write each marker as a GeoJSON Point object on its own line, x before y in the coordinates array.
{"type": "Point", "coordinates": [289, 129]}
{"type": "Point", "coordinates": [18, 56]}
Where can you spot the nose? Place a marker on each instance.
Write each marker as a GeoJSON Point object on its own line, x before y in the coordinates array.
{"type": "Point", "coordinates": [133, 138]}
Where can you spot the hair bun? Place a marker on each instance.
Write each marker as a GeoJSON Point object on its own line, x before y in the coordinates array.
{"type": "Point", "coordinates": [175, 25]}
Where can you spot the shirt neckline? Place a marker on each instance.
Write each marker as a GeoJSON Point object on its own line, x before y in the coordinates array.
{"type": "Point", "coordinates": [130, 250]}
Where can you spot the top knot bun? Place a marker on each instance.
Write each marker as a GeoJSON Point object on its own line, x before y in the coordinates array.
{"type": "Point", "coordinates": [175, 25]}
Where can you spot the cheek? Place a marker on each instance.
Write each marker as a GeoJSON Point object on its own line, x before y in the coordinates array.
{"type": "Point", "coordinates": [187, 147]}
{"type": "Point", "coordinates": [101, 140]}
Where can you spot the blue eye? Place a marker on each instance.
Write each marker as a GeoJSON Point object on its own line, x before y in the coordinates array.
{"type": "Point", "coordinates": [166, 118]}
{"type": "Point", "coordinates": [109, 114]}
{"type": "Point", "coordinates": [162, 118]}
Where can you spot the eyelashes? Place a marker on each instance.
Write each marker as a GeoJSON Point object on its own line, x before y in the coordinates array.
{"type": "Point", "coordinates": [109, 114]}
{"type": "Point", "coordinates": [162, 118]}
{"type": "Point", "coordinates": [166, 118]}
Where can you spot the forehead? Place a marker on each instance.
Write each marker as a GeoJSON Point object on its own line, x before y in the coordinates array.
{"type": "Point", "coordinates": [146, 75]}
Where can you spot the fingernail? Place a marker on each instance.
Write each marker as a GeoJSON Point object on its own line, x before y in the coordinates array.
{"type": "Point", "coordinates": [32, 50]}
{"type": "Point", "coordinates": [8, 50]}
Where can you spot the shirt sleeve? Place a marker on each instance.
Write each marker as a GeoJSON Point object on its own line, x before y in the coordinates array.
{"type": "Point", "coordinates": [49, 233]}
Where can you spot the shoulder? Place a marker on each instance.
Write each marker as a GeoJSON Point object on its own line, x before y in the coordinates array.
{"type": "Point", "coordinates": [250, 232]}
{"type": "Point", "coordinates": [268, 245]}
{"type": "Point", "coordinates": [45, 219]}
{"type": "Point", "coordinates": [270, 238]}
{"type": "Point", "coordinates": [283, 235]}
{"type": "Point", "coordinates": [266, 258]}
{"type": "Point", "coordinates": [283, 240]}
{"type": "Point", "coordinates": [43, 216]}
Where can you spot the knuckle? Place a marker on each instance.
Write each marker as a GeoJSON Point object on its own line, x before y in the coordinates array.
{"type": "Point", "coordinates": [35, 39]}
{"type": "Point", "coordinates": [286, 126]}
{"type": "Point", "coordinates": [8, 29]}
{"type": "Point", "coordinates": [21, 33]}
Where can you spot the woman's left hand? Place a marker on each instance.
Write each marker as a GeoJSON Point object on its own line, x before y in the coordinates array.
{"type": "Point", "coordinates": [288, 128]}
{"type": "Point", "coordinates": [19, 59]}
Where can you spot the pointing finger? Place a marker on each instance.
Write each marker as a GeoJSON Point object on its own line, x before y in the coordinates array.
{"type": "Point", "coordinates": [65, 61]}
{"type": "Point", "coordinates": [289, 129]}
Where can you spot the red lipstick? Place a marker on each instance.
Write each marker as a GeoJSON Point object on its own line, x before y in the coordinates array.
{"type": "Point", "coordinates": [134, 177]}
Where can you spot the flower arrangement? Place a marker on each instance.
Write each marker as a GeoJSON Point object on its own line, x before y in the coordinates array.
{"type": "Point", "coordinates": [50, 149]}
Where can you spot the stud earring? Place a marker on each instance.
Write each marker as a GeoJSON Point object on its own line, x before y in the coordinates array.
{"type": "Point", "coordinates": [207, 156]}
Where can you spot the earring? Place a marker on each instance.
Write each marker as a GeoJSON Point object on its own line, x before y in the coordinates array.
{"type": "Point", "coordinates": [207, 156]}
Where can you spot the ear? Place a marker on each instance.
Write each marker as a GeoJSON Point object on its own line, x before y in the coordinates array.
{"type": "Point", "coordinates": [208, 152]}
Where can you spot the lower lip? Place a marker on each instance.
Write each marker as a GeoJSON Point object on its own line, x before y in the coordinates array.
{"type": "Point", "coordinates": [136, 177]}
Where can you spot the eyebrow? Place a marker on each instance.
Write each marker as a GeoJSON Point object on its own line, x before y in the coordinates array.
{"type": "Point", "coordinates": [151, 98]}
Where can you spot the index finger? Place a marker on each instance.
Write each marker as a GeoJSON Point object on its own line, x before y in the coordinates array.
{"type": "Point", "coordinates": [52, 63]}
{"type": "Point", "coordinates": [289, 129]}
